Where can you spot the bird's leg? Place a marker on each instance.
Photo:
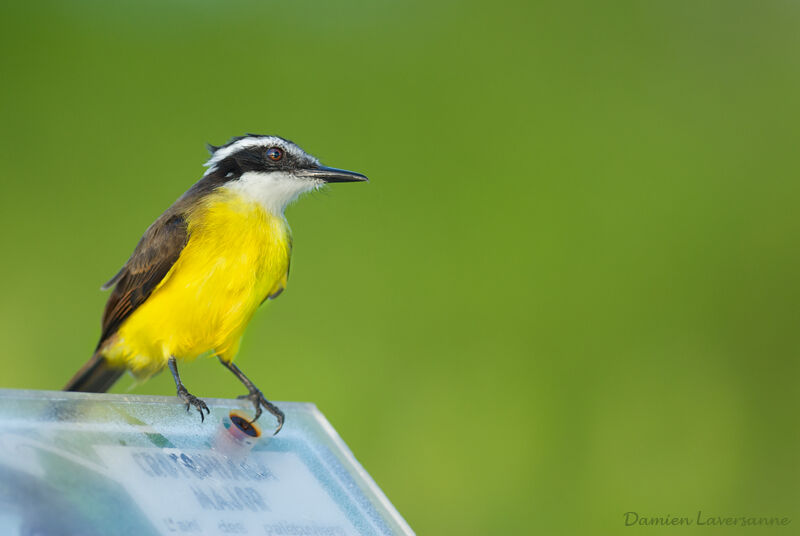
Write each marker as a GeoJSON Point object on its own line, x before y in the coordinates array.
{"type": "Point", "coordinates": [255, 396]}
{"type": "Point", "coordinates": [185, 395]}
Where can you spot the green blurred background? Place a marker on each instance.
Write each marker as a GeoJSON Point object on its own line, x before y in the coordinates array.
{"type": "Point", "coordinates": [570, 290]}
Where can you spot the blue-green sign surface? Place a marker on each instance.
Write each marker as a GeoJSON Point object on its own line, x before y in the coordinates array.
{"type": "Point", "coordinates": [88, 464]}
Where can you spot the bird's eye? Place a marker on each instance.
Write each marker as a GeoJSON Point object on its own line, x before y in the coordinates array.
{"type": "Point", "coordinates": [274, 154]}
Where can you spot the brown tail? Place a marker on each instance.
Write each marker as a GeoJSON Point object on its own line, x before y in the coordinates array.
{"type": "Point", "coordinates": [96, 376]}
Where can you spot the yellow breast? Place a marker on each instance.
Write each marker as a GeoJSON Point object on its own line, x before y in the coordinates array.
{"type": "Point", "coordinates": [237, 255]}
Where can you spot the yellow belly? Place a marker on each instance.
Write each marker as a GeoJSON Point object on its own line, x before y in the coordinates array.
{"type": "Point", "coordinates": [237, 254]}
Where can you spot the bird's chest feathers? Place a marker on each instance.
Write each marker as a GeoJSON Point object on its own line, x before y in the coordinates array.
{"type": "Point", "coordinates": [237, 246]}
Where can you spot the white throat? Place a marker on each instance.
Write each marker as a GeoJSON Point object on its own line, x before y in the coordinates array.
{"type": "Point", "coordinates": [274, 190]}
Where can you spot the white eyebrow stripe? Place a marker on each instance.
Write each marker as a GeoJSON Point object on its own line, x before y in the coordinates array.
{"type": "Point", "coordinates": [248, 143]}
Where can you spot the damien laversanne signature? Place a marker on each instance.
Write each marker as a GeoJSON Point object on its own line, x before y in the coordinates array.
{"type": "Point", "coordinates": [704, 520]}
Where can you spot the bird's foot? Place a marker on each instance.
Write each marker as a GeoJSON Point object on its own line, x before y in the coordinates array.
{"type": "Point", "coordinates": [192, 400]}
{"type": "Point", "coordinates": [257, 398]}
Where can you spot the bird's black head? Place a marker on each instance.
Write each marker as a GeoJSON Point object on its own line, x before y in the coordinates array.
{"type": "Point", "coordinates": [268, 170]}
{"type": "Point", "coordinates": [271, 154]}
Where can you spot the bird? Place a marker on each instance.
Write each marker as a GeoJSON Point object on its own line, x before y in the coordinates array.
{"type": "Point", "coordinates": [204, 266]}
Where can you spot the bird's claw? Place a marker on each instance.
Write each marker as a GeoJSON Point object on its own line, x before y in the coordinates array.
{"type": "Point", "coordinates": [258, 400]}
{"type": "Point", "coordinates": [192, 400]}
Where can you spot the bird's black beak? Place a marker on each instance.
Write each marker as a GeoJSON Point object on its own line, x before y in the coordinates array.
{"type": "Point", "coordinates": [329, 174]}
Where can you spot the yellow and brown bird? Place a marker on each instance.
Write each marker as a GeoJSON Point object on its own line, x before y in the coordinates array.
{"type": "Point", "coordinates": [204, 266]}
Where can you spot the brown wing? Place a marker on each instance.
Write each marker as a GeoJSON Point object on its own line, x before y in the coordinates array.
{"type": "Point", "coordinates": [153, 257]}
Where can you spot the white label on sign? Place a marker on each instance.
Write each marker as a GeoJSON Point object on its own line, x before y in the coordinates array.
{"type": "Point", "coordinates": [203, 492]}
